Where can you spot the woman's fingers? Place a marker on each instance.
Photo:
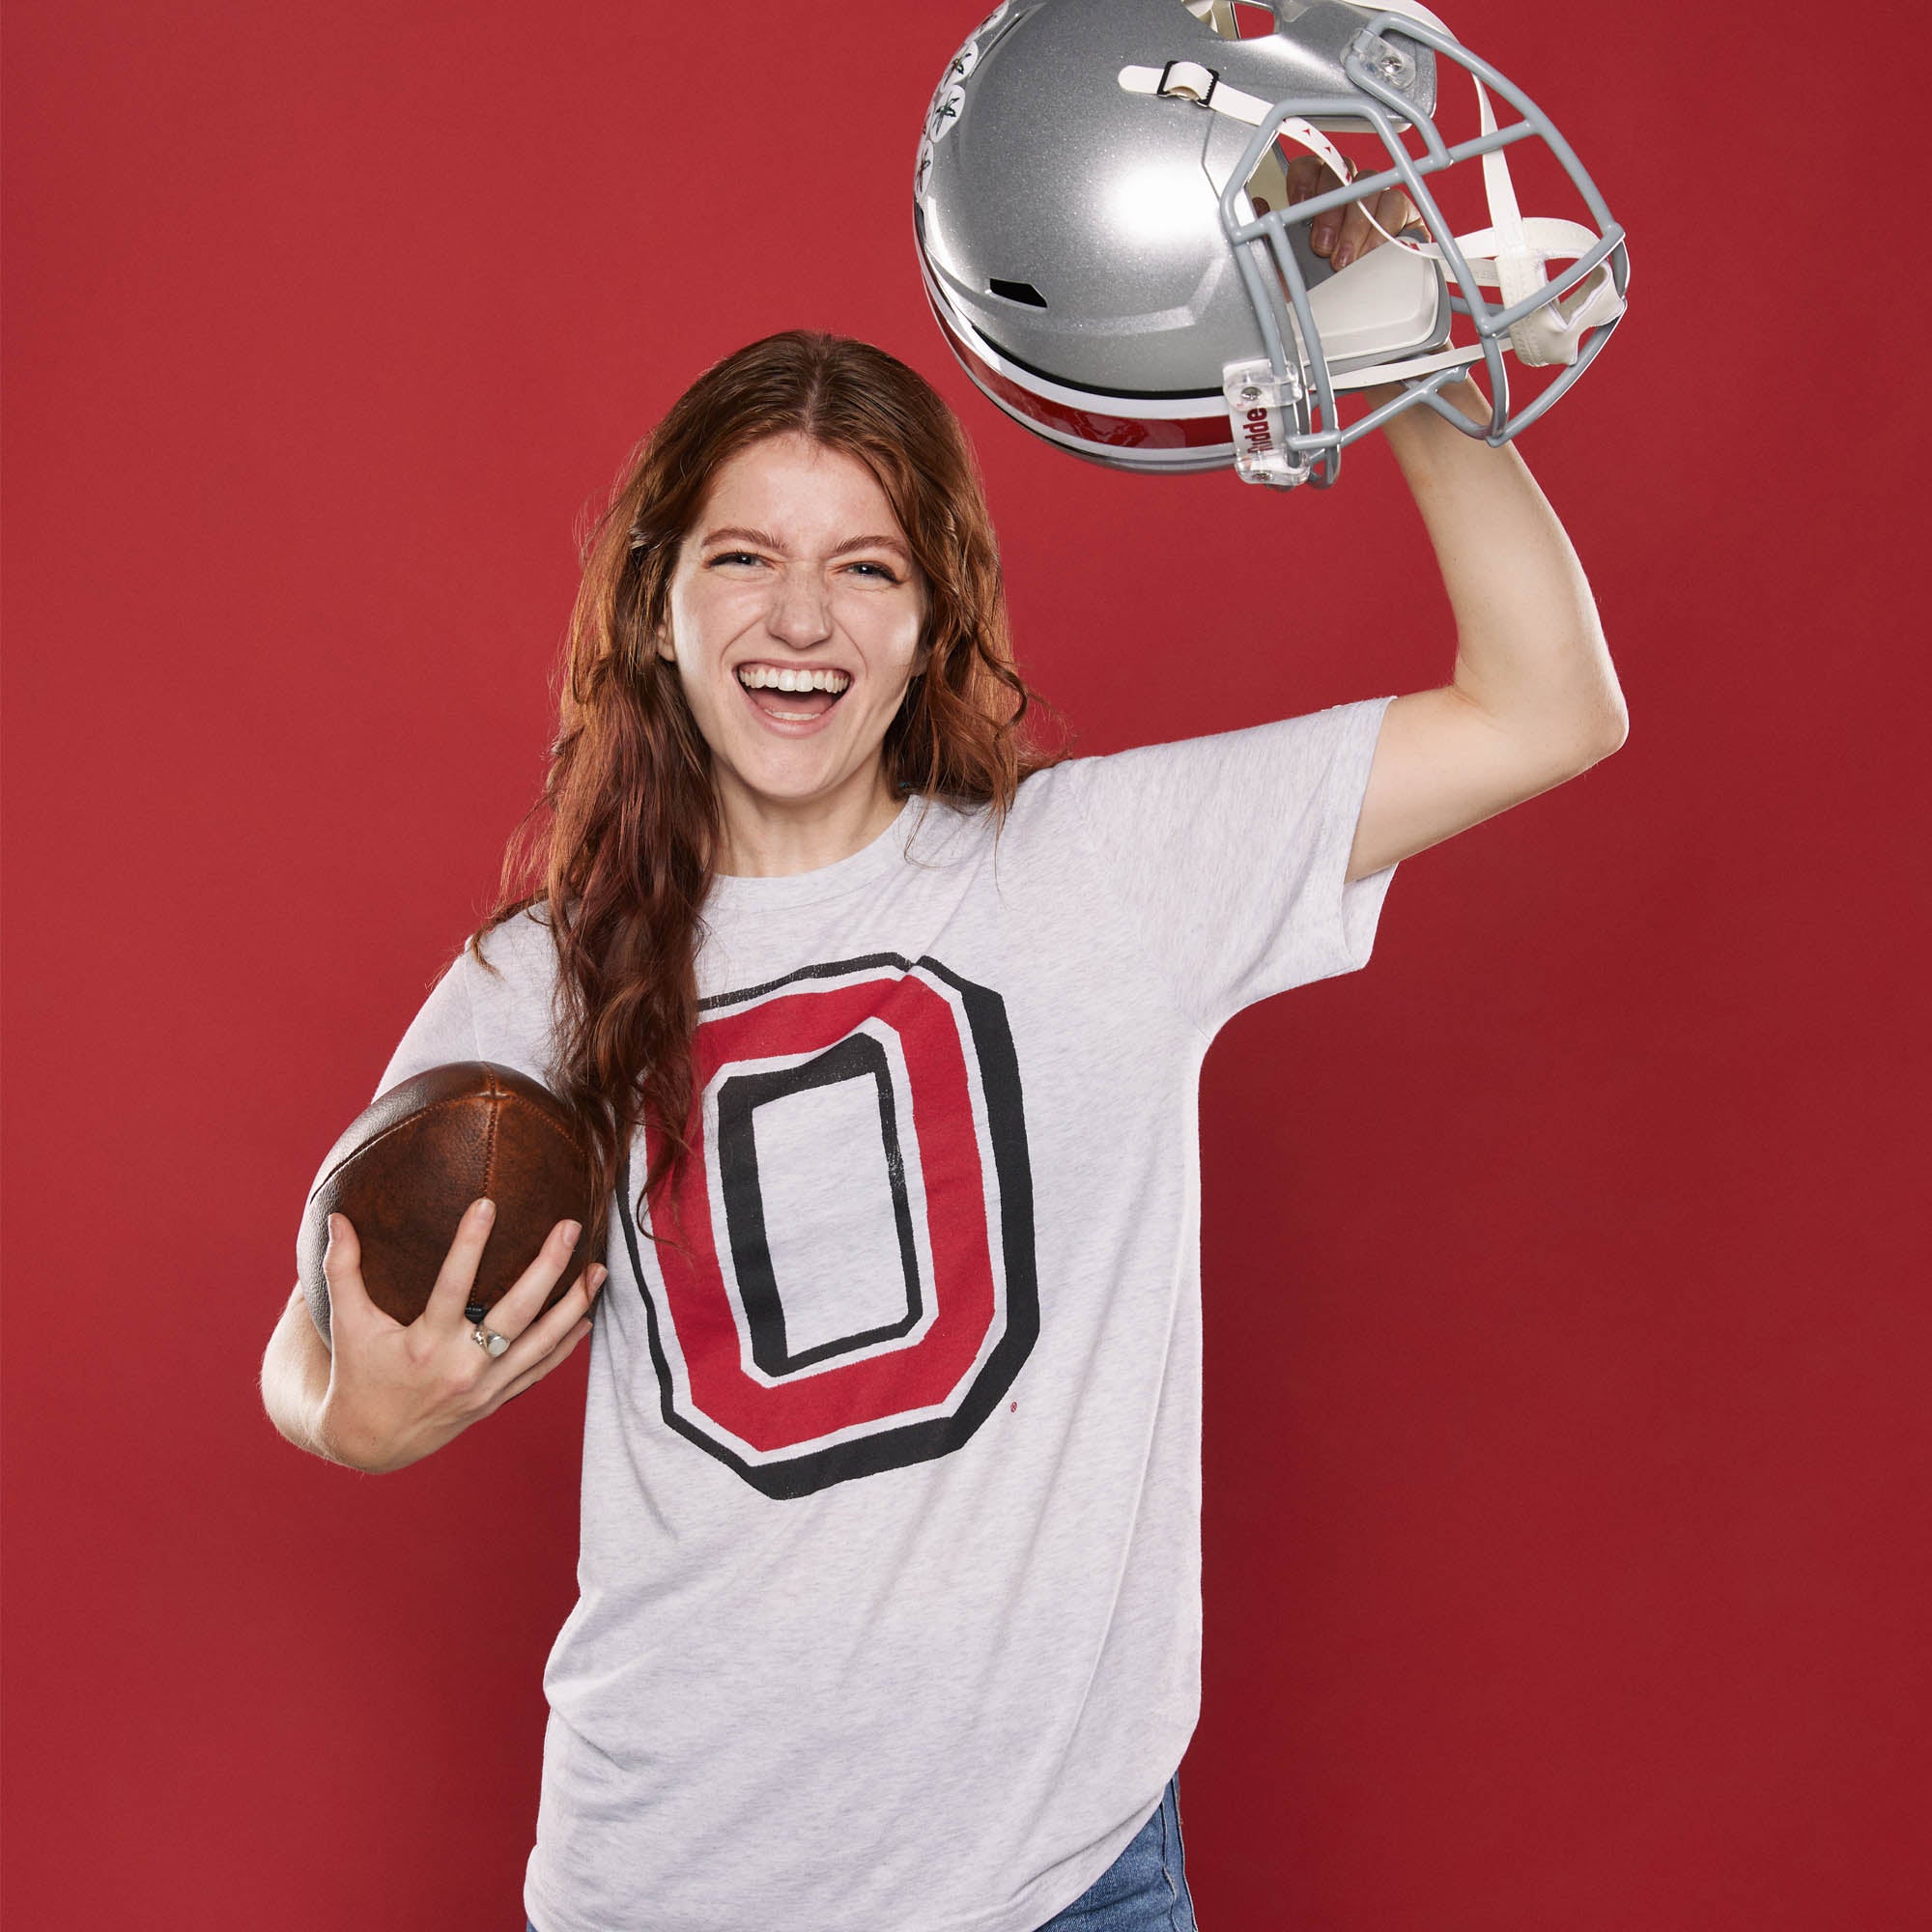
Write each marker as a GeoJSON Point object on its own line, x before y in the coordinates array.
{"type": "Point", "coordinates": [536, 1339]}
{"type": "Point", "coordinates": [1307, 176]}
{"type": "Point", "coordinates": [513, 1310]}
{"type": "Point", "coordinates": [1344, 234]}
{"type": "Point", "coordinates": [556, 1359]}
{"type": "Point", "coordinates": [448, 1297]}
{"type": "Point", "coordinates": [342, 1265]}
{"type": "Point", "coordinates": [519, 1303]}
{"type": "Point", "coordinates": [1360, 234]}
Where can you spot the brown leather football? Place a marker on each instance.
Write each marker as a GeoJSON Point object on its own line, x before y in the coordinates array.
{"type": "Point", "coordinates": [408, 1165]}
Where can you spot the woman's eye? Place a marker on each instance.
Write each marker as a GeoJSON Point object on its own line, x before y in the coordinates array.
{"type": "Point", "coordinates": [879, 571]}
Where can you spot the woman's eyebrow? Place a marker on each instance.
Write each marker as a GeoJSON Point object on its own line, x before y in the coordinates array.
{"type": "Point", "coordinates": [766, 541]}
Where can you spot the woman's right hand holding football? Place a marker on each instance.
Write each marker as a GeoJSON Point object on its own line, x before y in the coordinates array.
{"type": "Point", "coordinates": [398, 1392]}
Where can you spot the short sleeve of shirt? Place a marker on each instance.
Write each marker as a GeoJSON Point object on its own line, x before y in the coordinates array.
{"type": "Point", "coordinates": [496, 1008]}
{"type": "Point", "coordinates": [1229, 852]}
{"type": "Point", "coordinates": [443, 1030]}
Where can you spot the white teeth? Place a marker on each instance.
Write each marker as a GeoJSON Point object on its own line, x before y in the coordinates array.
{"type": "Point", "coordinates": [767, 677]}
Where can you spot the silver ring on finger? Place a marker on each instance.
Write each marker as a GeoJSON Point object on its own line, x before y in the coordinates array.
{"type": "Point", "coordinates": [489, 1341]}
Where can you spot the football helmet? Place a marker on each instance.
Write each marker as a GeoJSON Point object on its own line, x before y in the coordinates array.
{"type": "Point", "coordinates": [1104, 231]}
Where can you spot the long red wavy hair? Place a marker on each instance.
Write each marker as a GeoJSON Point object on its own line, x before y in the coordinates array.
{"type": "Point", "coordinates": [623, 835]}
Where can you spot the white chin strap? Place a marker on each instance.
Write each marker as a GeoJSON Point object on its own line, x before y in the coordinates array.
{"type": "Point", "coordinates": [1508, 256]}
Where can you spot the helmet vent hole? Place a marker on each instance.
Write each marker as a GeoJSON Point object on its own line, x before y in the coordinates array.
{"type": "Point", "coordinates": [1018, 292]}
{"type": "Point", "coordinates": [1234, 20]}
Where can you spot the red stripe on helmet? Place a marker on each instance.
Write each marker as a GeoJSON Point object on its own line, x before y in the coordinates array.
{"type": "Point", "coordinates": [1090, 425]}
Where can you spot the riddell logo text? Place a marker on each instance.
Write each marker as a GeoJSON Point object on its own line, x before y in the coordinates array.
{"type": "Point", "coordinates": [1257, 431]}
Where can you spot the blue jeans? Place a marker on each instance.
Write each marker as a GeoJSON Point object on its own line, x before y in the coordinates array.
{"type": "Point", "coordinates": [1144, 1890]}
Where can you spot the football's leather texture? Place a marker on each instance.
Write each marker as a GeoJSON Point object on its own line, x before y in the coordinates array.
{"type": "Point", "coordinates": [407, 1167]}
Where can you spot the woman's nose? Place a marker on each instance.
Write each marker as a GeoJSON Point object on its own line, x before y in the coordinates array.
{"type": "Point", "coordinates": [800, 613]}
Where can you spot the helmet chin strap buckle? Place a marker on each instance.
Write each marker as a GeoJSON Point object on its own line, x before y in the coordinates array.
{"type": "Point", "coordinates": [1188, 80]}
{"type": "Point", "coordinates": [1264, 410]}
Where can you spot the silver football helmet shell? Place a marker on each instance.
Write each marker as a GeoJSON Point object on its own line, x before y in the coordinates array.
{"type": "Point", "coordinates": [1103, 232]}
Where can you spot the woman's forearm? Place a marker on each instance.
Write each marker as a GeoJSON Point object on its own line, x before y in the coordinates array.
{"type": "Point", "coordinates": [294, 1379]}
{"type": "Point", "coordinates": [1529, 648]}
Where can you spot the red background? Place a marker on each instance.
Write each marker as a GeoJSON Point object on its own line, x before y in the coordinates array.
{"type": "Point", "coordinates": [1566, 1420]}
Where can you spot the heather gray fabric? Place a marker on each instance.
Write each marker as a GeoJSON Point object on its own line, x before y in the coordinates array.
{"type": "Point", "coordinates": [888, 1615]}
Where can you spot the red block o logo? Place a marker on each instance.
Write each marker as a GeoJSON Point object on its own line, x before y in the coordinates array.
{"type": "Point", "coordinates": [855, 1289]}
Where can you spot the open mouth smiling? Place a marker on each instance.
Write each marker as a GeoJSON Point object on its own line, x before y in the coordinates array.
{"type": "Point", "coordinates": [791, 694]}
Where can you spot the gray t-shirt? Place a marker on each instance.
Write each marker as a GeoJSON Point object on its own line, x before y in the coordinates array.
{"type": "Point", "coordinates": [889, 1612]}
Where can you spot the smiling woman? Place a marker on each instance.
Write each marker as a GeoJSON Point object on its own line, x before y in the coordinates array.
{"type": "Point", "coordinates": [795, 620]}
{"type": "Point", "coordinates": [888, 1028]}
{"type": "Point", "coordinates": [810, 505]}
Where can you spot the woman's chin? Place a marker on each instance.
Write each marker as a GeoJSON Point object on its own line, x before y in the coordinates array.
{"type": "Point", "coordinates": [791, 776]}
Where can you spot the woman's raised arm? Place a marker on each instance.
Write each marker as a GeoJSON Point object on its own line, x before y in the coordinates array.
{"type": "Point", "coordinates": [1534, 699]}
